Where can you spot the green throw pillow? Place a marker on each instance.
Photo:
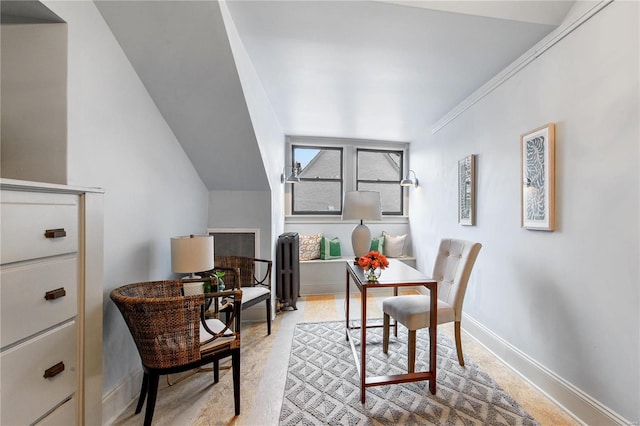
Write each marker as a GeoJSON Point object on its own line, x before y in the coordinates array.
{"type": "Point", "coordinates": [329, 248]}
{"type": "Point", "coordinates": [377, 244]}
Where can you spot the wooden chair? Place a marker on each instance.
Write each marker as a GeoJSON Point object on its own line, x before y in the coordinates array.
{"type": "Point", "coordinates": [173, 335]}
{"type": "Point", "coordinates": [254, 290]}
{"type": "Point", "coordinates": [452, 269]}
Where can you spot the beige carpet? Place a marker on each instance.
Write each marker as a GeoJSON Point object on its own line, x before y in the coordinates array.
{"type": "Point", "coordinates": [323, 384]}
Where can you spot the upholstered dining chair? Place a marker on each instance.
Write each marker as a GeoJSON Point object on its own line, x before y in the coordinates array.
{"type": "Point", "coordinates": [174, 334]}
{"type": "Point", "coordinates": [255, 280]}
{"type": "Point", "coordinates": [451, 270]}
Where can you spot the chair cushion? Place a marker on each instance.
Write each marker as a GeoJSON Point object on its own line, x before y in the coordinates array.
{"type": "Point", "coordinates": [216, 326]}
{"type": "Point", "coordinates": [252, 293]}
{"type": "Point", "coordinates": [413, 311]}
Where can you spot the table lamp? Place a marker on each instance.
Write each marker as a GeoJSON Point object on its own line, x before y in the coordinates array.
{"type": "Point", "coordinates": [191, 254]}
{"type": "Point", "coordinates": [361, 205]}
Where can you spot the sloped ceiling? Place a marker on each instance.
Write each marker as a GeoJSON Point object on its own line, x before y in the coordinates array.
{"type": "Point", "coordinates": [26, 12]}
{"type": "Point", "coordinates": [182, 55]}
{"type": "Point", "coordinates": [383, 70]}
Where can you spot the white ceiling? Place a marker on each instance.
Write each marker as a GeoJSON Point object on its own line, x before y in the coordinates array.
{"type": "Point", "coordinates": [352, 68]}
{"type": "Point", "coordinates": [377, 70]}
{"type": "Point", "coordinates": [539, 12]}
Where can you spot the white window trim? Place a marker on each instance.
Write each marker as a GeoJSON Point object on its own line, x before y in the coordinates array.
{"type": "Point", "coordinates": [349, 152]}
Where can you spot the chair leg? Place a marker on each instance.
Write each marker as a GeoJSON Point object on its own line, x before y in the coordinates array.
{"type": "Point", "coordinates": [143, 392]}
{"type": "Point", "coordinates": [385, 333]}
{"type": "Point", "coordinates": [269, 316]}
{"type": "Point", "coordinates": [235, 360]}
{"type": "Point", "coordinates": [216, 371]}
{"type": "Point", "coordinates": [151, 401]}
{"type": "Point", "coordinates": [412, 352]}
{"type": "Point", "coordinates": [459, 343]}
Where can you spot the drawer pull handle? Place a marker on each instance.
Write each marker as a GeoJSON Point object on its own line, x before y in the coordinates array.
{"type": "Point", "coordinates": [55, 233]}
{"type": "Point", "coordinates": [54, 371]}
{"type": "Point", "coordinates": [55, 294]}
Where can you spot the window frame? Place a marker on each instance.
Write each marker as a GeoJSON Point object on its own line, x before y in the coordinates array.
{"type": "Point", "coordinates": [378, 181]}
{"type": "Point", "coordinates": [303, 179]}
{"type": "Point", "coordinates": [348, 170]}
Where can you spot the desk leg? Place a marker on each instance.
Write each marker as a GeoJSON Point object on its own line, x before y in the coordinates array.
{"type": "Point", "coordinates": [395, 321]}
{"type": "Point", "coordinates": [433, 335]}
{"type": "Point", "coordinates": [346, 301]}
{"type": "Point", "coordinates": [363, 343]}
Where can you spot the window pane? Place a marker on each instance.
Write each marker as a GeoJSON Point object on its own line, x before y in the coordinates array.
{"type": "Point", "coordinates": [379, 165]}
{"type": "Point", "coordinates": [318, 163]}
{"type": "Point", "coordinates": [390, 194]}
{"type": "Point", "coordinates": [321, 197]}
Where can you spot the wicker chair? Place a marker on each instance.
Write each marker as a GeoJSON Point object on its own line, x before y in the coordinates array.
{"type": "Point", "coordinates": [254, 290]}
{"type": "Point", "coordinates": [173, 335]}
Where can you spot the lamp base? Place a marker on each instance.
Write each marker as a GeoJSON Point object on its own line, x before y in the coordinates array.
{"type": "Point", "coordinates": [192, 288]}
{"type": "Point", "coordinates": [361, 240]}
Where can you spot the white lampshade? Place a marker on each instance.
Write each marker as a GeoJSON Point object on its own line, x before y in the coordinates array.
{"type": "Point", "coordinates": [193, 253]}
{"type": "Point", "coordinates": [362, 205]}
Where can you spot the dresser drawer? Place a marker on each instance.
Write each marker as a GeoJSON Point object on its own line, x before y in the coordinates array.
{"type": "Point", "coordinates": [26, 394]}
{"type": "Point", "coordinates": [26, 220]}
{"type": "Point", "coordinates": [24, 307]}
{"type": "Point", "coordinates": [64, 415]}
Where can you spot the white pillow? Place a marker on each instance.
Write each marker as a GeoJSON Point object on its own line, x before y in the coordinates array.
{"type": "Point", "coordinates": [310, 246]}
{"type": "Point", "coordinates": [394, 245]}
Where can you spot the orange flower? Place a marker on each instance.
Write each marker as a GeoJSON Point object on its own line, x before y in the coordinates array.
{"type": "Point", "coordinates": [373, 259]}
{"type": "Point", "coordinates": [364, 262]}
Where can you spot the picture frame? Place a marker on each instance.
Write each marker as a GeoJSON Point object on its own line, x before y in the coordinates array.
{"type": "Point", "coordinates": [467, 190]}
{"type": "Point", "coordinates": [537, 155]}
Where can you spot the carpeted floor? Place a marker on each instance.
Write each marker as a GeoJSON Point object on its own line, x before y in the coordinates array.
{"type": "Point", "coordinates": [322, 385]}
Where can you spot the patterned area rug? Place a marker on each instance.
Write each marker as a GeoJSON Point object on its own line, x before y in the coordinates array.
{"type": "Point", "coordinates": [323, 385]}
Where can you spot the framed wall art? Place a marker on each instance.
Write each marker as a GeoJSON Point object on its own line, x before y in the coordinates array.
{"type": "Point", "coordinates": [538, 178]}
{"type": "Point", "coordinates": [467, 190]}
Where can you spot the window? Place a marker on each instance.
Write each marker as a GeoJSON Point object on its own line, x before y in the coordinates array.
{"type": "Point", "coordinates": [381, 171]}
{"type": "Point", "coordinates": [328, 167]}
{"type": "Point", "coordinates": [321, 183]}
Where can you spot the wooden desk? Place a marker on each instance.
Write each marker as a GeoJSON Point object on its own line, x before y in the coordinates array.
{"type": "Point", "coordinates": [397, 275]}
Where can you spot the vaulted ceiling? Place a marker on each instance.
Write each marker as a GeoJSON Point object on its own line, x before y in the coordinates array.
{"type": "Point", "coordinates": [357, 69]}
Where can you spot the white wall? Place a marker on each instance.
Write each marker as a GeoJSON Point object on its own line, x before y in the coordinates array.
{"type": "Point", "coordinates": [119, 141]}
{"type": "Point", "coordinates": [243, 209]}
{"type": "Point", "coordinates": [34, 102]}
{"type": "Point", "coordinates": [568, 299]}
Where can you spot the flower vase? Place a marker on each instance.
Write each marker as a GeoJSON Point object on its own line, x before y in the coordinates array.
{"type": "Point", "coordinates": [372, 274]}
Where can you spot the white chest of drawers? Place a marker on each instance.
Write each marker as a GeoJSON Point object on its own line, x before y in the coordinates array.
{"type": "Point", "coordinates": [50, 304]}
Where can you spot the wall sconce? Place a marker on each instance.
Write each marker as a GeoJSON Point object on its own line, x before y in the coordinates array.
{"type": "Point", "coordinates": [293, 177]}
{"type": "Point", "coordinates": [407, 181]}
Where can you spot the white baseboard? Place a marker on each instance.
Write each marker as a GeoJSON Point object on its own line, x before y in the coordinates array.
{"type": "Point", "coordinates": [581, 406]}
{"type": "Point", "coordinates": [116, 401]}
